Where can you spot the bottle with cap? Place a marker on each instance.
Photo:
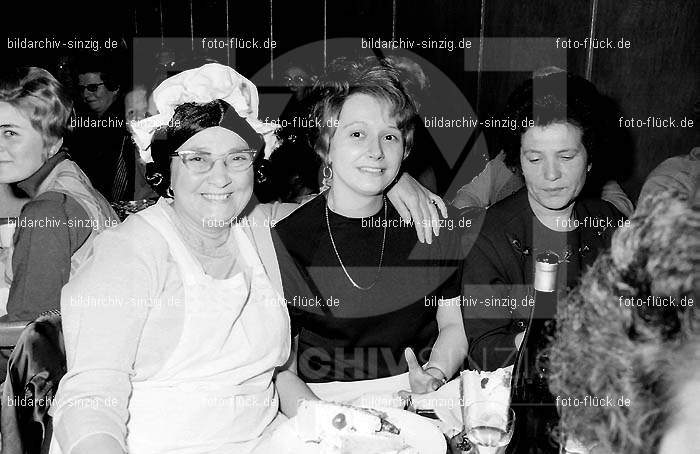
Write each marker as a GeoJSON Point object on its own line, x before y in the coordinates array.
{"type": "Point", "coordinates": [536, 417]}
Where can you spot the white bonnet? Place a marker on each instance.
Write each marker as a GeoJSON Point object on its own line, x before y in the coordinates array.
{"type": "Point", "coordinates": [201, 85]}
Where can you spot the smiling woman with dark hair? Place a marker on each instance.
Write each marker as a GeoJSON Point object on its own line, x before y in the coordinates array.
{"type": "Point", "coordinates": [167, 317]}
{"type": "Point", "coordinates": [379, 296]}
{"type": "Point", "coordinates": [175, 326]}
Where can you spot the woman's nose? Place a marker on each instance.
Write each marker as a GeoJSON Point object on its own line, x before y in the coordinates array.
{"type": "Point", "coordinates": [219, 174]}
{"type": "Point", "coordinates": [552, 171]}
{"type": "Point", "coordinates": [375, 150]}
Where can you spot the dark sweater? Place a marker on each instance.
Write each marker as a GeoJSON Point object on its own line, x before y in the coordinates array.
{"type": "Point", "coordinates": [500, 264]}
{"type": "Point", "coordinates": [356, 334]}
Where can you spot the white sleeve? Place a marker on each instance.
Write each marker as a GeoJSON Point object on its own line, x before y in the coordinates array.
{"type": "Point", "coordinates": [104, 310]}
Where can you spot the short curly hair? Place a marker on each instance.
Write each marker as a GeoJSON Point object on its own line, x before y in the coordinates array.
{"type": "Point", "coordinates": [189, 119]}
{"type": "Point", "coordinates": [626, 346]}
{"type": "Point", "coordinates": [369, 76]}
{"type": "Point", "coordinates": [554, 98]}
{"type": "Point", "coordinates": [42, 98]}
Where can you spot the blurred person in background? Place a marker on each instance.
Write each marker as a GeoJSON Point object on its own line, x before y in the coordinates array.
{"type": "Point", "coordinates": [679, 173]}
{"type": "Point", "coordinates": [100, 142]}
{"type": "Point", "coordinates": [136, 108]}
{"type": "Point", "coordinates": [136, 103]}
{"type": "Point", "coordinates": [633, 326]}
{"type": "Point", "coordinates": [422, 162]}
{"type": "Point", "coordinates": [293, 167]}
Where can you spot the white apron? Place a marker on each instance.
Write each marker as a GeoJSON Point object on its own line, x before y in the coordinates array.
{"type": "Point", "coordinates": [214, 394]}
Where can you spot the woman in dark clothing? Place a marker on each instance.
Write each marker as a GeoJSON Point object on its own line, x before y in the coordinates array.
{"type": "Point", "coordinates": [361, 290]}
{"type": "Point", "coordinates": [555, 147]}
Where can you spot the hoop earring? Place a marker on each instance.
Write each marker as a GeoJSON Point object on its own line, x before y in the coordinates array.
{"type": "Point", "coordinates": [169, 193]}
{"type": "Point", "coordinates": [261, 175]}
{"type": "Point", "coordinates": [327, 173]}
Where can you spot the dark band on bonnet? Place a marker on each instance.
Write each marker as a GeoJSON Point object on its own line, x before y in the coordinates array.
{"type": "Point", "coordinates": [188, 120]}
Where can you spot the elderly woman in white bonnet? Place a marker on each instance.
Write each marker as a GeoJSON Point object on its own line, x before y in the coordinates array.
{"type": "Point", "coordinates": [175, 326]}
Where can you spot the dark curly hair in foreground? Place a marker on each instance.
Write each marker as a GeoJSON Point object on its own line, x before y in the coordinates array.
{"type": "Point", "coordinates": [606, 347]}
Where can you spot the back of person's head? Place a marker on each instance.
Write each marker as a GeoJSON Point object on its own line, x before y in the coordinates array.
{"type": "Point", "coordinates": [136, 102]}
{"type": "Point", "coordinates": [369, 76]}
{"type": "Point", "coordinates": [679, 173]}
{"type": "Point", "coordinates": [38, 95]}
{"type": "Point", "coordinates": [552, 97]}
{"type": "Point", "coordinates": [633, 309]}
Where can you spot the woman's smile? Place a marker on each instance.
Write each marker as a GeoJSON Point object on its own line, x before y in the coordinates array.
{"type": "Point", "coordinates": [218, 194]}
{"type": "Point", "coordinates": [373, 171]}
{"type": "Point", "coordinates": [216, 197]}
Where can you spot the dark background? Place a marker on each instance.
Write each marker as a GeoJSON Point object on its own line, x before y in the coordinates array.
{"type": "Point", "coordinates": [656, 76]}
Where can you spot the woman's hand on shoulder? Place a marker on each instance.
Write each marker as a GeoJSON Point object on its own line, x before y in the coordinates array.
{"type": "Point", "coordinates": [415, 203]}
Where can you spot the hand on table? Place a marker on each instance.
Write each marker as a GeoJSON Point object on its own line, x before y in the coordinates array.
{"type": "Point", "coordinates": [422, 380]}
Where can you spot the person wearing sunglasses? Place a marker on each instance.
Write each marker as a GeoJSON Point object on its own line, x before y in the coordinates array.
{"type": "Point", "coordinates": [100, 143]}
{"type": "Point", "coordinates": [97, 87]}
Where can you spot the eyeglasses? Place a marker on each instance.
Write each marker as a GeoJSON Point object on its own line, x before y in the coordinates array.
{"type": "Point", "coordinates": [92, 88]}
{"type": "Point", "coordinates": [299, 80]}
{"type": "Point", "coordinates": [202, 162]}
